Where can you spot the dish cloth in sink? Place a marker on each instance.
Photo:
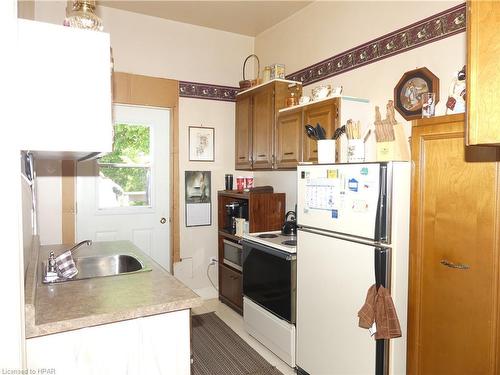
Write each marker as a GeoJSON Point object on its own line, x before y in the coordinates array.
{"type": "Point", "coordinates": [66, 265]}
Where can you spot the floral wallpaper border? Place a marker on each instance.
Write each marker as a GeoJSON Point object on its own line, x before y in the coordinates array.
{"type": "Point", "coordinates": [432, 29]}
{"type": "Point", "coordinates": [439, 26]}
{"type": "Point", "coordinates": [207, 91]}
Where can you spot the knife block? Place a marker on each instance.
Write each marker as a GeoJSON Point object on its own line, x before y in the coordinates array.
{"type": "Point", "coordinates": [398, 149]}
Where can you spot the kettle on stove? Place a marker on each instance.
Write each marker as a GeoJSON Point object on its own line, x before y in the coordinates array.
{"type": "Point", "coordinates": [290, 226]}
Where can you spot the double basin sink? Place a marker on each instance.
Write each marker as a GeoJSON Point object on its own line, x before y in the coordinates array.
{"type": "Point", "coordinates": [100, 266]}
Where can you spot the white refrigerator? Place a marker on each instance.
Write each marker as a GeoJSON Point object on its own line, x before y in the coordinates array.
{"type": "Point", "coordinates": [353, 224]}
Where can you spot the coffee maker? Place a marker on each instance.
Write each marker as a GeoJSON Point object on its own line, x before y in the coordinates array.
{"type": "Point", "coordinates": [234, 210]}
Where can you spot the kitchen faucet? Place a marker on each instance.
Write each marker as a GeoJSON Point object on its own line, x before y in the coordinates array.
{"type": "Point", "coordinates": [51, 273]}
{"type": "Point", "coordinates": [74, 248]}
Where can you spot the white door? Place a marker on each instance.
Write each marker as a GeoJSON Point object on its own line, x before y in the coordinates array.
{"type": "Point", "coordinates": [125, 194]}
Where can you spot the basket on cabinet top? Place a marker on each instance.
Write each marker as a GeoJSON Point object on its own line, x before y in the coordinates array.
{"type": "Point", "coordinates": [247, 83]}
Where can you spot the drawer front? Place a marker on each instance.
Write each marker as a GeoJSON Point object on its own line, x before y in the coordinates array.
{"type": "Point", "coordinates": [230, 285]}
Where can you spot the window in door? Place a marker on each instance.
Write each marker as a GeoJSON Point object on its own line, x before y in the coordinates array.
{"type": "Point", "coordinates": [125, 174]}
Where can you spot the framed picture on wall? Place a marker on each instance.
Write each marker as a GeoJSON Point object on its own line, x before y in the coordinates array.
{"type": "Point", "coordinates": [198, 198]}
{"type": "Point", "coordinates": [201, 143]}
{"type": "Point", "coordinates": [410, 89]}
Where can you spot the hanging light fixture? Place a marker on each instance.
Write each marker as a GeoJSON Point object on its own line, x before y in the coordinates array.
{"type": "Point", "coordinates": [83, 16]}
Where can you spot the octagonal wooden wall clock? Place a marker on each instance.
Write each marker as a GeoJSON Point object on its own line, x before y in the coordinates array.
{"type": "Point", "coordinates": [409, 90]}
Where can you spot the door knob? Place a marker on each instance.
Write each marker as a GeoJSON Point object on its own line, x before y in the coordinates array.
{"type": "Point", "coordinates": [163, 220]}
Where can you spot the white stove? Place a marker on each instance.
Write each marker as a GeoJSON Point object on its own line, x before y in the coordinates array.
{"type": "Point", "coordinates": [274, 239]}
{"type": "Point", "coordinates": [269, 287]}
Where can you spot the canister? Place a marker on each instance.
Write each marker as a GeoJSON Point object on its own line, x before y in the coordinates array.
{"type": "Point", "coordinates": [240, 183]}
{"type": "Point", "coordinates": [229, 181]}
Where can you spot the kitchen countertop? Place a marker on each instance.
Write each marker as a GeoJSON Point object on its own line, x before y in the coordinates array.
{"type": "Point", "coordinates": [53, 308]}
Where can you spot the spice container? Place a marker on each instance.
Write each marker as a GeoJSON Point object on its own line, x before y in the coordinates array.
{"type": "Point", "coordinates": [277, 71]}
{"type": "Point", "coordinates": [266, 74]}
{"type": "Point", "coordinates": [291, 100]}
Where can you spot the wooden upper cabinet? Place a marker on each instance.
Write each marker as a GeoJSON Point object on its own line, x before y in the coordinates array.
{"type": "Point", "coordinates": [326, 114]}
{"type": "Point", "coordinates": [289, 132]}
{"type": "Point", "coordinates": [243, 133]}
{"type": "Point", "coordinates": [256, 111]}
{"type": "Point", "coordinates": [483, 73]}
{"type": "Point", "coordinates": [263, 123]}
{"type": "Point", "coordinates": [454, 252]}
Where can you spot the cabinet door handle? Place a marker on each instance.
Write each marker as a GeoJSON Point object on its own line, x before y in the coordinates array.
{"type": "Point", "coordinates": [261, 156]}
{"type": "Point", "coordinates": [242, 157]}
{"type": "Point", "coordinates": [315, 151]}
{"type": "Point", "coordinates": [459, 266]}
{"type": "Point", "coordinates": [288, 153]}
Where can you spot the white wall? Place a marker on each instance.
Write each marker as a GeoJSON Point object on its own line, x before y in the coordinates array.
{"type": "Point", "coordinates": [326, 28]}
{"type": "Point", "coordinates": [12, 341]}
{"type": "Point", "coordinates": [199, 243]}
{"type": "Point", "coordinates": [49, 204]}
{"type": "Point", "coordinates": [155, 47]}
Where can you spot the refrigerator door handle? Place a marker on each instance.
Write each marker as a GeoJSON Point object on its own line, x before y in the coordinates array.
{"type": "Point", "coordinates": [382, 271]}
{"type": "Point", "coordinates": [382, 219]}
{"type": "Point", "coordinates": [381, 267]}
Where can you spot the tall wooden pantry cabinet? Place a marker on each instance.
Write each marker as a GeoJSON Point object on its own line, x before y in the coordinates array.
{"type": "Point", "coordinates": [454, 325]}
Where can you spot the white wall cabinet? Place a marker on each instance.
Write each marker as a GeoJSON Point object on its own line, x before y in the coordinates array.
{"type": "Point", "coordinates": [153, 345]}
{"type": "Point", "coordinates": [65, 88]}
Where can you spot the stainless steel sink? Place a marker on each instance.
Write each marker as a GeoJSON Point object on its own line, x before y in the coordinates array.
{"type": "Point", "coordinates": [102, 266]}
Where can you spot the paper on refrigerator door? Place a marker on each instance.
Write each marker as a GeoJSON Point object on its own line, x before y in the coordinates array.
{"type": "Point", "coordinates": [349, 192]}
{"type": "Point", "coordinates": [323, 193]}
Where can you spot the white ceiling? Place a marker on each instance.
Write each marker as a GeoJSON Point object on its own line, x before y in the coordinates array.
{"type": "Point", "coordinates": [241, 17]}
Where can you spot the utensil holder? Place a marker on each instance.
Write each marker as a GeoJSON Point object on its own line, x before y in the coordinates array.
{"type": "Point", "coordinates": [355, 151]}
{"type": "Point", "coordinates": [326, 151]}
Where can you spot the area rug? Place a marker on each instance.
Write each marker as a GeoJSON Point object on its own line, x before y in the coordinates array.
{"type": "Point", "coordinates": [218, 350]}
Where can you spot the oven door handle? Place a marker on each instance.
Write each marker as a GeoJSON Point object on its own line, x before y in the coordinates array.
{"type": "Point", "coordinates": [247, 246]}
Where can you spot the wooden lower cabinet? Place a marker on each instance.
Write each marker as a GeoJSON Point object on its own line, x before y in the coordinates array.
{"type": "Point", "coordinates": [231, 287]}
{"type": "Point", "coordinates": [454, 248]}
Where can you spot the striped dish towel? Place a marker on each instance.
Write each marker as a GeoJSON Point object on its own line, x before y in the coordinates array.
{"type": "Point", "coordinates": [66, 265]}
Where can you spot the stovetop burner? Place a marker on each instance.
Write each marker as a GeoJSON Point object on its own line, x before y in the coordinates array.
{"type": "Point", "coordinates": [274, 239]}
{"type": "Point", "coordinates": [267, 235]}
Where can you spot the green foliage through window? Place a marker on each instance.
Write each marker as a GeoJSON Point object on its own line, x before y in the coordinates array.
{"type": "Point", "coordinates": [131, 148]}
{"type": "Point", "coordinates": [131, 145]}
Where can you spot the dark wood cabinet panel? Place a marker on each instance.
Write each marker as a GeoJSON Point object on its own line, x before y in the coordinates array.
{"type": "Point", "coordinates": [454, 252]}
{"type": "Point", "coordinates": [256, 111]}
{"type": "Point", "coordinates": [289, 131]}
{"type": "Point", "coordinates": [243, 133]}
{"type": "Point", "coordinates": [262, 132]}
{"type": "Point", "coordinates": [231, 288]}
